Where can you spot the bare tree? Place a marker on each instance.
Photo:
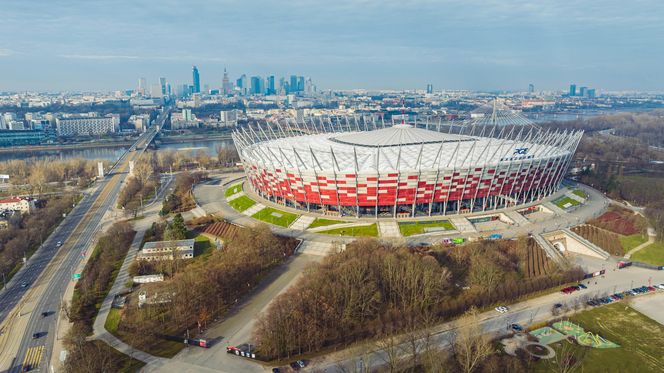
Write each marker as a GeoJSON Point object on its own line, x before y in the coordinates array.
{"type": "Point", "coordinates": [568, 359]}
{"type": "Point", "coordinates": [471, 346]}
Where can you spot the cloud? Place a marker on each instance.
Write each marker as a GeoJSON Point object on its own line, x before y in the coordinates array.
{"type": "Point", "coordinates": [6, 52]}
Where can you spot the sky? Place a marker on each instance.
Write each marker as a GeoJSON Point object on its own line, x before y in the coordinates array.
{"type": "Point", "coordinates": [60, 45]}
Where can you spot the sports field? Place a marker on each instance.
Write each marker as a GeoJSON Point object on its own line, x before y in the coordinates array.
{"type": "Point", "coordinates": [242, 203]}
{"type": "Point", "coordinates": [365, 230]}
{"type": "Point", "coordinates": [276, 217]}
{"type": "Point", "coordinates": [419, 227]}
{"type": "Point", "coordinates": [237, 188]}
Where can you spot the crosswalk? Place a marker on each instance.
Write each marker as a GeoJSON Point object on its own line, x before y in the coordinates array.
{"type": "Point", "coordinates": [33, 357]}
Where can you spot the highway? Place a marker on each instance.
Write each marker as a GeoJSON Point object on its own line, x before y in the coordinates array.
{"type": "Point", "coordinates": [50, 269]}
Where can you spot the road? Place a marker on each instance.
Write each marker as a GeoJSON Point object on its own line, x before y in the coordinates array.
{"type": "Point", "coordinates": [50, 269]}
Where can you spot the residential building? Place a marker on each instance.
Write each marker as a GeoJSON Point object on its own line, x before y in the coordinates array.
{"type": "Point", "coordinates": [146, 279]}
{"type": "Point", "coordinates": [87, 125]}
{"type": "Point", "coordinates": [228, 118]}
{"type": "Point", "coordinates": [24, 205]}
{"type": "Point", "coordinates": [167, 250]}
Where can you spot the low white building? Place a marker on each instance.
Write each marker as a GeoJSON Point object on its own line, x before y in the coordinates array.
{"type": "Point", "coordinates": [167, 250]}
{"type": "Point", "coordinates": [23, 205]}
{"type": "Point", "coordinates": [146, 279]}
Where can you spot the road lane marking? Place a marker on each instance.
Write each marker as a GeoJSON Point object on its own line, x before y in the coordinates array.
{"type": "Point", "coordinates": [33, 357]}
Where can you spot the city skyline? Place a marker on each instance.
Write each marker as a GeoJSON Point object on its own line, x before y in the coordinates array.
{"type": "Point", "coordinates": [487, 45]}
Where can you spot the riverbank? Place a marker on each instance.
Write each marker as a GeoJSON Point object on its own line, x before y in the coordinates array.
{"type": "Point", "coordinates": [176, 138]}
{"type": "Point", "coordinates": [57, 147]}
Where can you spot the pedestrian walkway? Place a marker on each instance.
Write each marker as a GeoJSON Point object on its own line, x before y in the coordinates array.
{"type": "Point", "coordinates": [575, 197]}
{"type": "Point", "coordinates": [234, 196]}
{"type": "Point", "coordinates": [253, 209]}
{"type": "Point", "coordinates": [556, 210]}
{"type": "Point", "coordinates": [389, 229]}
{"type": "Point", "coordinates": [463, 225]}
{"type": "Point", "coordinates": [517, 218]}
{"type": "Point", "coordinates": [651, 239]}
{"type": "Point", "coordinates": [302, 222]}
{"type": "Point", "coordinates": [319, 248]}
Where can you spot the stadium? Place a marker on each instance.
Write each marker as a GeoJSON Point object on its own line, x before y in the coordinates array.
{"type": "Point", "coordinates": [368, 168]}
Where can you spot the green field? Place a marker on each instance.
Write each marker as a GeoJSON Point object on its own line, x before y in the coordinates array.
{"type": "Point", "coordinates": [233, 190]}
{"type": "Point", "coordinates": [268, 215]}
{"type": "Point", "coordinates": [242, 203]}
{"type": "Point", "coordinates": [419, 227]}
{"type": "Point", "coordinates": [632, 241]}
{"type": "Point", "coordinates": [365, 230]}
{"type": "Point", "coordinates": [320, 222]}
{"type": "Point", "coordinates": [639, 337]}
{"type": "Point", "coordinates": [161, 348]}
{"type": "Point", "coordinates": [652, 254]}
{"type": "Point", "coordinates": [562, 201]}
{"type": "Point", "coordinates": [580, 193]}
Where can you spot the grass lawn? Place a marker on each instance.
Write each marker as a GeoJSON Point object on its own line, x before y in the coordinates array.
{"type": "Point", "coordinates": [639, 337]}
{"type": "Point", "coordinates": [129, 365]}
{"type": "Point", "coordinates": [579, 193]}
{"type": "Point", "coordinates": [320, 222]}
{"type": "Point", "coordinates": [276, 217]}
{"type": "Point", "coordinates": [632, 241]}
{"type": "Point", "coordinates": [242, 203]}
{"type": "Point", "coordinates": [653, 254]}
{"type": "Point", "coordinates": [161, 347]}
{"type": "Point", "coordinates": [366, 230]}
{"type": "Point", "coordinates": [202, 247]}
{"type": "Point", "coordinates": [563, 201]}
{"type": "Point", "coordinates": [411, 228]}
{"type": "Point", "coordinates": [233, 189]}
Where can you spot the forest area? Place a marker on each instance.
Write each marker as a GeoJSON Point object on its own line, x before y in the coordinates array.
{"type": "Point", "coordinates": [627, 163]}
{"type": "Point", "coordinates": [25, 232]}
{"type": "Point", "coordinates": [39, 173]}
{"type": "Point", "coordinates": [204, 290]}
{"type": "Point", "coordinates": [96, 280]}
{"type": "Point", "coordinates": [402, 289]}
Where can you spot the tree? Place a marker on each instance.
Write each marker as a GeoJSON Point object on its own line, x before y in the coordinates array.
{"type": "Point", "coordinates": [471, 346]}
{"type": "Point", "coordinates": [176, 230]}
{"type": "Point", "coordinates": [569, 358]}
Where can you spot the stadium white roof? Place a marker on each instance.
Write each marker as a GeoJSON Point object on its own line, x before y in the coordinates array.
{"type": "Point", "coordinates": [399, 134]}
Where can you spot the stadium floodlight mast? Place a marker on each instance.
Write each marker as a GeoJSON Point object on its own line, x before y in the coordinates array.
{"type": "Point", "coordinates": [337, 162]}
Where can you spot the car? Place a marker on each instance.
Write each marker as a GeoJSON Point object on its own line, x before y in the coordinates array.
{"type": "Point", "coordinates": [557, 305]}
{"type": "Point", "coordinates": [501, 309]}
{"type": "Point", "coordinates": [651, 288]}
{"type": "Point", "coordinates": [619, 295]}
{"type": "Point", "coordinates": [24, 284]}
{"type": "Point", "coordinates": [295, 365]}
{"type": "Point", "coordinates": [45, 313]}
{"type": "Point", "coordinates": [301, 363]}
{"type": "Point", "coordinates": [592, 302]}
{"type": "Point", "coordinates": [27, 367]}
{"type": "Point", "coordinates": [276, 370]}
{"type": "Point", "coordinates": [614, 297]}
{"type": "Point", "coordinates": [36, 335]}
{"type": "Point", "coordinates": [58, 244]}
{"type": "Point", "coordinates": [516, 327]}
{"type": "Point", "coordinates": [661, 286]}
{"type": "Point", "coordinates": [569, 289]}
{"type": "Point", "coordinates": [582, 286]}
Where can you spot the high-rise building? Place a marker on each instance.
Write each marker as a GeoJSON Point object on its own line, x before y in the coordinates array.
{"type": "Point", "coordinates": [300, 84]}
{"type": "Point", "coordinates": [572, 89]}
{"type": "Point", "coordinates": [531, 88]}
{"type": "Point", "coordinates": [270, 85]}
{"type": "Point", "coordinates": [196, 80]}
{"type": "Point", "coordinates": [162, 83]}
{"type": "Point", "coordinates": [243, 85]}
{"type": "Point", "coordinates": [226, 87]}
{"type": "Point", "coordinates": [292, 87]}
{"type": "Point", "coordinates": [582, 91]}
{"type": "Point", "coordinates": [591, 93]}
{"type": "Point", "coordinates": [257, 85]}
{"type": "Point", "coordinates": [142, 85]}
{"type": "Point", "coordinates": [429, 88]}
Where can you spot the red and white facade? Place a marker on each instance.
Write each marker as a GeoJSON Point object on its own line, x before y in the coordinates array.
{"type": "Point", "coordinates": [365, 169]}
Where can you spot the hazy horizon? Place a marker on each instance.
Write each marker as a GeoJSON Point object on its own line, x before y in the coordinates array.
{"type": "Point", "coordinates": [368, 44]}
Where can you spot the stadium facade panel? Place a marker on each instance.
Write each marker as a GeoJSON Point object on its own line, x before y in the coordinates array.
{"type": "Point", "coordinates": [402, 170]}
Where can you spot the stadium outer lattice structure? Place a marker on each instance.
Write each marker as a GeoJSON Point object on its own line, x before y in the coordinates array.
{"type": "Point", "coordinates": [365, 167]}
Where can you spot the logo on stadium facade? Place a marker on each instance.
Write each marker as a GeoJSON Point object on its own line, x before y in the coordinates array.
{"type": "Point", "coordinates": [520, 151]}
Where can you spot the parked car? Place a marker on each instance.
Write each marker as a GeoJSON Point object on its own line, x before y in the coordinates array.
{"type": "Point", "coordinates": [276, 370]}
{"type": "Point", "coordinates": [582, 286]}
{"type": "Point", "coordinates": [557, 305]}
{"type": "Point", "coordinates": [651, 288]}
{"type": "Point", "coordinates": [295, 365]}
{"type": "Point", "coordinates": [516, 327]}
{"type": "Point", "coordinates": [24, 284]}
{"type": "Point", "coordinates": [58, 244]}
{"type": "Point", "coordinates": [502, 309]}
{"type": "Point", "coordinates": [301, 363]}
{"type": "Point", "coordinates": [661, 286]}
{"type": "Point", "coordinates": [36, 335]}
{"type": "Point", "coordinates": [45, 313]}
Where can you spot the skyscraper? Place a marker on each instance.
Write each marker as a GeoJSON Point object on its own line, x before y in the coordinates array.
{"type": "Point", "coordinates": [300, 84]}
{"type": "Point", "coordinates": [257, 85]}
{"type": "Point", "coordinates": [293, 84]}
{"type": "Point", "coordinates": [226, 84]}
{"type": "Point", "coordinates": [142, 85]}
{"type": "Point", "coordinates": [591, 92]}
{"type": "Point", "coordinates": [162, 83]}
{"type": "Point", "coordinates": [270, 85]}
{"type": "Point", "coordinates": [572, 89]}
{"type": "Point", "coordinates": [196, 80]}
{"type": "Point", "coordinates": [582, 91]}
{"type": "Point", "coordinates": [429, 88]}
{"type": "Point", "coordinates": [531, 88]}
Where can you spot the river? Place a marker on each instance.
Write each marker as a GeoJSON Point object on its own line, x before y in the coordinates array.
{"type": "Point", "coordinates": [113, 154]}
